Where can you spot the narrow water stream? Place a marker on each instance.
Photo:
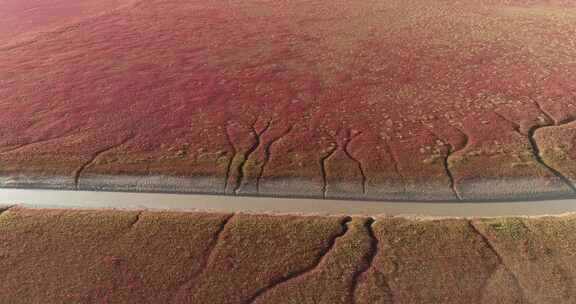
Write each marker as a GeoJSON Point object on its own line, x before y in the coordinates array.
{"type": "Point", "coordinates": [215, 203]}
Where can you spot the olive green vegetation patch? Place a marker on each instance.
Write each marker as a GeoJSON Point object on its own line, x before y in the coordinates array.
{"type": "Point", "coordinates": [508, 227]}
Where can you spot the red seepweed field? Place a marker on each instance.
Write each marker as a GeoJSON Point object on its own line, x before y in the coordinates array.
{"type": "Point", "coordinates": [432, 100]}
{"type": "Point", "coordinates": [397, 100]}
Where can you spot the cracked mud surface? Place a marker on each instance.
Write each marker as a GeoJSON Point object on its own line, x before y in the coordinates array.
{"type": "Point", "coordinates": [57, 256]}
{"type": "Point", "coordinates": [394, 100]}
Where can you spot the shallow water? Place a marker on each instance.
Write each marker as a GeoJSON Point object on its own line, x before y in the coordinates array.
{"type": "Point", "coordinates": [215, 203]}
